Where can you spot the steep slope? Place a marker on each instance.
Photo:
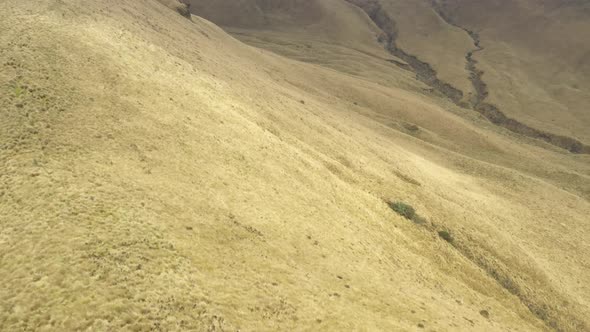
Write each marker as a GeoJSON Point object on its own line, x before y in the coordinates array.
{"type": "Point", "coordinates": [157, 174]}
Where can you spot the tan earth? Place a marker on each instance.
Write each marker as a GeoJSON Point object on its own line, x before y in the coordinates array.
{"type": "Point", "coordinates": [234, 172]}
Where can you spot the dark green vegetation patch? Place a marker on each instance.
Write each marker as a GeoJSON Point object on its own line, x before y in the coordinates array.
{"type": "Point", "coordinates": [403, 209]}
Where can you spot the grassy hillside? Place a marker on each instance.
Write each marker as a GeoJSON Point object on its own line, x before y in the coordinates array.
{"type": "Point", "coordinates": [158, 174]}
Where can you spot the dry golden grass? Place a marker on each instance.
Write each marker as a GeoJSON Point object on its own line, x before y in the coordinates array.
{"type": "Point", "coordinates": [157, 174]}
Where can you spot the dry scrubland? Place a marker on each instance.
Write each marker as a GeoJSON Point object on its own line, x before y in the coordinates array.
{"type": "Point", "coordinates": [158, 174]}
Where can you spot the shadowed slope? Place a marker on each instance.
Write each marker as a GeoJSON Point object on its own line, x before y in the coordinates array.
{"type": "Point", "coordinates": [383, 16]}
{"type": "Point", "coordinates": [535, 63]}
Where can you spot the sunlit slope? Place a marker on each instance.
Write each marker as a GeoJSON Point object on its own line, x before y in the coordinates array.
{"type": "Point", "coordinates": [157, 174]}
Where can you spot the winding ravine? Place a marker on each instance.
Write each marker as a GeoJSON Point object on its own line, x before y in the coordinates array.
{"type": "Point", "coordinates": [492, 112]}
{"type": "Point", "coordinates": [425, 73]}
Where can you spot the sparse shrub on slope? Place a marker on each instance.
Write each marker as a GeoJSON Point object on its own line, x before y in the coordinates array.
{"type": "Point", "coordinates": [403, 209]}
{"type": "Point", "coordinates": [407, 211]}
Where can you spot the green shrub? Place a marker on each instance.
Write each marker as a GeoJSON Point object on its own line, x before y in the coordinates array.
{"type": "Point", "coordinates": [445, 235]}
{"type": "Point", "coordinates": [403, 209]}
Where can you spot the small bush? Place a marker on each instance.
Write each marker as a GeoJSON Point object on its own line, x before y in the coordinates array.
{"type": "Point", "coordinates": [445, 235]}
{"type": "Point", "coordinates": [403, 209]}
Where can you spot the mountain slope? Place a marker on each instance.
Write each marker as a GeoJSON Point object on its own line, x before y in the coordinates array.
{"type": "Point", "coordinates": [157, 174]}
